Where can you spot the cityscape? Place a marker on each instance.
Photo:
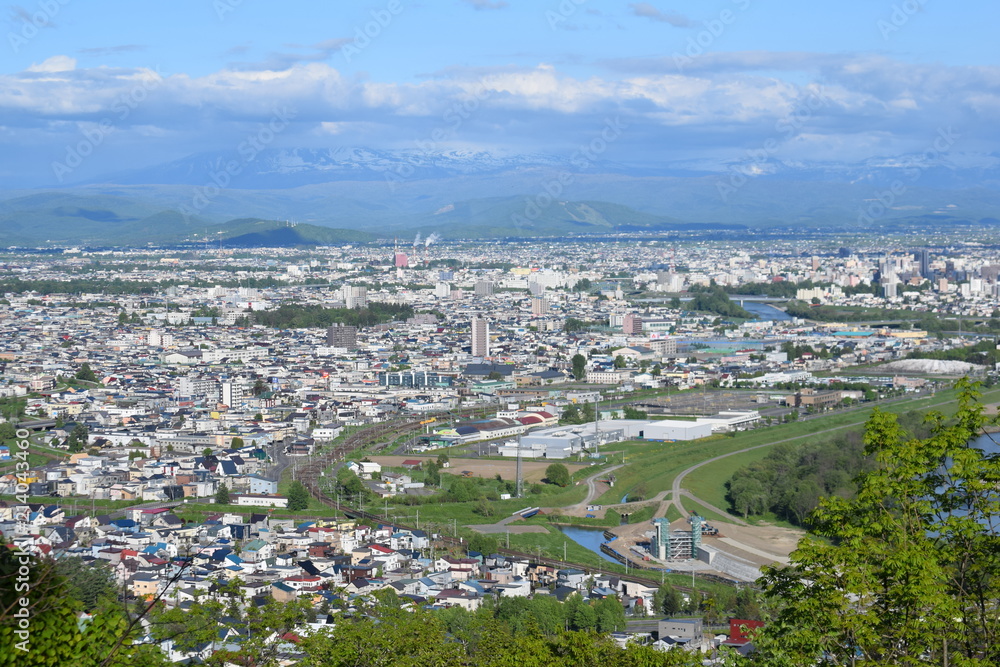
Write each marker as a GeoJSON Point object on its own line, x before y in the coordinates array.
{"type": "Point", "coordinates": [487, 333]}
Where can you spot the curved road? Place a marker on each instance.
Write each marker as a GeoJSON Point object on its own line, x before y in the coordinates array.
{"type": "Point", "coordinates": [677, 491]}
{"type": "Point", "coordinates": [592, 487]}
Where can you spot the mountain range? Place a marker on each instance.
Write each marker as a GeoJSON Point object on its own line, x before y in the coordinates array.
{"type": "Point", "coordinates": [363, 193]}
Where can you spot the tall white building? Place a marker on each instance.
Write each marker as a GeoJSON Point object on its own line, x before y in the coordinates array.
{"type": "Point", "coordinates": [356, 296]}
{"type": "Point", "coordinates": [480, 337]}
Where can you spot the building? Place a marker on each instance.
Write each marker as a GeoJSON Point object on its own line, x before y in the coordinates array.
{"type": "Point", "coordinates": [484, 288]}
{"type": "Point", "coordinates": [340, 335]}
{"type": "Point", "coordinates": [480, 337]}
{"type": "Point", "coordinates": [401, 260]}
{"type": "Point", "coordinates": [924, 257]}
{"type": "Point", "coordinates": [356, 296]}
{"type": "Point", "coordinates": [681, 628]}
{"type": "Point", "coordinates": [677, 544]}
{"type": "Point", "coordinates": [415, 379]}
{"type": "Point", "coordinates": [232, 393]}
{"type": "Point", "coordinates": [539, 306]}
{"type": "Point", "coordinates": [664, 347]}
{"type": "Point", "coordinates": [632, 325]}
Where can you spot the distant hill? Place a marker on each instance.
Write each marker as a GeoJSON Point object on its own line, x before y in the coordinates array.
{"type": "Point", "coordinates": [252, 233]}
{"type": "Point", "coordinates": [501, 217]}
{"type": "Point", "coordinates": [476, 194]}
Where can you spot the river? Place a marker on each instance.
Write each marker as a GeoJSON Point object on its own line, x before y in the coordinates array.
{"type": "Point", "coordinates": [765, 311]}
{"type": "Point", "coordinates": [591, 538]}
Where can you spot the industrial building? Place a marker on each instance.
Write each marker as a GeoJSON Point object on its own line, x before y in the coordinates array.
{"type": "Point", "coordinates": [677, 544]}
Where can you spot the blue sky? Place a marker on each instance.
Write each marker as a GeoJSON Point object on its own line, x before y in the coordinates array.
{"type": "Point", "coordinates": [697, 82]}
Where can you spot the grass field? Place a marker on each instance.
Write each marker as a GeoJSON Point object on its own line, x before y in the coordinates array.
{"type": "Point", "coordinates": [708, 482]}
{"type": "Point", "coordinates": [655, 469]}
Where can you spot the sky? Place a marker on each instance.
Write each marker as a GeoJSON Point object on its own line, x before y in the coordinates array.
{"type": "Point", "coordinates": [104, 86]}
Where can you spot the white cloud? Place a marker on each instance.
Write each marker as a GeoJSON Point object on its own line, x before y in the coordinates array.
{"type": "Point", "coordinates": [55, 64]}
{"type": "Point", "coordinates": [727, 103]}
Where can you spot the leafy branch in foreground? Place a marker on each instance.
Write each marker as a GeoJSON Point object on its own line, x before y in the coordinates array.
{"type": "Point", "coordinates": [909, 571]}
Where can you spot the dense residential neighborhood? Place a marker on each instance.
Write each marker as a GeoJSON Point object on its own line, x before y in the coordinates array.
{"type": "Point", "coordinates": [183, 391]}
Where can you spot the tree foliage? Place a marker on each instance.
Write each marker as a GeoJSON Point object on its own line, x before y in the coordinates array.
{"type": "Point", "coordinates": [790, 480]}
{"type": "Point", "coordinates": [86, 373]}
{"type": "Point", "coordinates": [908, 571]}
{"type": "Point", "coordinates": [298, 496]}
{"type": "Point", "coordinates": [301, 316]}
{"type": "Point", "coordinates": [558, 474]}
{"type": "Point", "coordinates": [715, 300]}
{"type": "Point", "coordinates": [55, 634]}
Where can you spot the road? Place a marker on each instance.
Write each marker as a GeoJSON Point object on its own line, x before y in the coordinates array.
{"type": "Point", "coordinates": [677, 491]}
{"type": "Point", "coordinates": [592, 488]}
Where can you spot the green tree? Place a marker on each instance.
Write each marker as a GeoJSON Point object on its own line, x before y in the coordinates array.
{"type": "Point", "coordinates": [87, 583]}
{"type": "Point", "coordinates": [667, 600]}
{"type": "Point", "coordinates": [579, 366]}
{"type": "Point", "coordinates": [222, 495]}
{"type": "Point", "coordinates": [570, 415]}
{"type": "Point", "coordinates": [633, 413]}
{"type": "Point", "coordinates": [78, 438]}
{"type": "Point", "coordinates": [7, 431]}
{"type": "Point", "coordinates": [237, 442]}
{"type": "Point", "coordinates": [907, 571]}
{"type": "Point", "coordinates": [54, 634]}
{"type": "Point", "coordinates": [620, 361]}
{"type": "Point", "coordinates": [557, 474]}
{"type": "Point", "coordinates": [610, 615]}
{"type": "Point", "coordinates": [484, 508]}
{"type": "Point", "coordinates": [298, 496]}
{"type": "Point", "coordinates": [86, 373]}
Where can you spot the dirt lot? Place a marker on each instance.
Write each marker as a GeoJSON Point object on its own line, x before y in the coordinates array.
{"type": "Point", "coordinates": [534, 471]}
{"type": "Point", "coordinates": [762, 545]}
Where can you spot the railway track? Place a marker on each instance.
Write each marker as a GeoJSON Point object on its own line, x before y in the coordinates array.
{"type": "Point", "coordinates": [309, 475]}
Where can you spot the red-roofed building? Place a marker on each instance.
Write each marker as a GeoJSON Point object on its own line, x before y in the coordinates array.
{"type": "Point", "coordinates": [736, 630]}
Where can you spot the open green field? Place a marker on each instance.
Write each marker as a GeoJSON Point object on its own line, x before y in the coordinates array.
{"type": "Point", "coordinates": [655, 469]}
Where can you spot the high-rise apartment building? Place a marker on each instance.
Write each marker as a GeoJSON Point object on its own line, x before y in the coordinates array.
{"type": "Point", "coordinates": [632, 324]}
{"type": "Point", "coordinates": [480, 337]}
{"type": "Point", "coordinates": [340, 335]}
